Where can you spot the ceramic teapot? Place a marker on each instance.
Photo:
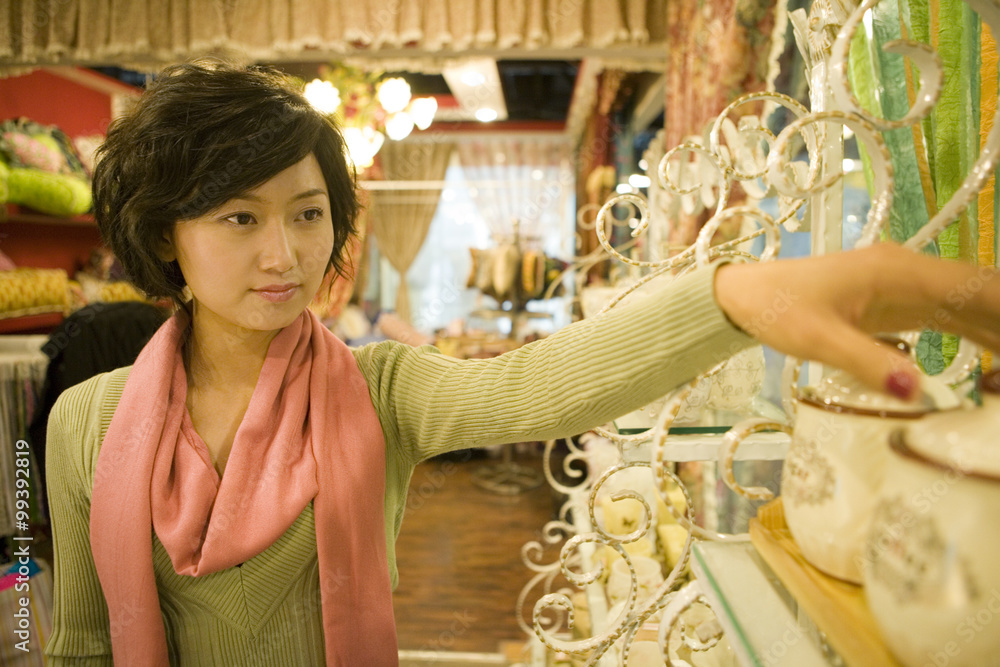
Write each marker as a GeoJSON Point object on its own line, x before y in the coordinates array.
{"type": "Point", "coordinates": [836, 462]}
{"type": "Point", "coordinates": [930, 566]}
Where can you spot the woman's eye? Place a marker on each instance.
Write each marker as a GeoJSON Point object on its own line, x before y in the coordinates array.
{"type": "Point", "coordinates": [312, 214]}
{"type": "Point", "coordinates": [240, 219]}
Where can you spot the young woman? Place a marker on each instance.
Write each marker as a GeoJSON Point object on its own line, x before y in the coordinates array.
{"type": "Point", "coordinates": [234, 497]}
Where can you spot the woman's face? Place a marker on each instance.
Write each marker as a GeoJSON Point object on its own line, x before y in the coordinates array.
{"type": "Point", "coordinates": [257, 261]}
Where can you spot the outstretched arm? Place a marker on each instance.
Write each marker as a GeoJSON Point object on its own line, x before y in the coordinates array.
{"type": "Point", "coordinates": [824, 308]}
{"type": "Point", "coordinates": [821, 308]}
{"type": "Point", "coordinates": [582, 376]}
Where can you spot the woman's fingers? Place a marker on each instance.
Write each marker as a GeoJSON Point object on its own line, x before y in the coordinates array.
{"type": "Point", "coordinates": [831, 306]}
{"type": "Point", "coordinates": [880, 366]}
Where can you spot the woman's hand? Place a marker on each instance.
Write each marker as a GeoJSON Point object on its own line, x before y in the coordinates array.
{"type": "Point", "coordinates": [825, 308]}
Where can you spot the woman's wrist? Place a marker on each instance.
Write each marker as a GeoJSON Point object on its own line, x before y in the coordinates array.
{"type": "Point", "coordinates": [727, 288]}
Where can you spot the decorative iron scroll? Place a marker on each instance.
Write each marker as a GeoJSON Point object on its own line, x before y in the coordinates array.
{"type": "Point", "coordinates": [745, 152]}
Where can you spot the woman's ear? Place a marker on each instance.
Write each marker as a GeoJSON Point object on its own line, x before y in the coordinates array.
{"type": "Point", "coordinates": [165, 247]}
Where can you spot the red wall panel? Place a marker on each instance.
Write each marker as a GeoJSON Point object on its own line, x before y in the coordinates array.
{"type": "Point", "coordinates": [50, 99]}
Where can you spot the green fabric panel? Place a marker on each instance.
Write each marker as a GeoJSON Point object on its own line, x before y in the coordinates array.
{"type": "Point", "coordinates": [949, 347]}
{"type": "Point", "coordinates": [969, 74]}
{"type": "Point", "coordinates": [972, 63]}
{"type": "Point", "coordinates": [956, 128]}
{"type": "Point", "coordinates": [949, 117]}
{"type": "Point", "coordinates": [909, 193]}
{"type": "Point", "coordinates": [935, 351]}
{"type": "Point", "coordinates": [909, 208]}
{"type": "Point", "coordinates": [915, 15]}
{"type": "Point", "coordinates": [967, 226]}
{"type": "Point", "coordinates": [916, 18]}
{"type": "Point", "coordinates": [929, 354]}
{"type": "Point", "coordinates": [862, 78]}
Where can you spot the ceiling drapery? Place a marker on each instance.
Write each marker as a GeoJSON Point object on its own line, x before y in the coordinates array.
{"type": "Point", "coordinates": [129, 32]}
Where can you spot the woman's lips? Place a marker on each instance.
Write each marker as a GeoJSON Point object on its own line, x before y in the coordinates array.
{"type": "Point", "coordinates": [277, 293]}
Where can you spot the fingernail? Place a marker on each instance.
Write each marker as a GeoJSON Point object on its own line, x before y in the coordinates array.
{"type": "Point", "coordinates": [901, 384]}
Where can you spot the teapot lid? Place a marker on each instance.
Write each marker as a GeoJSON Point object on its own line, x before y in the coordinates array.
{"type": "Point", "coordinates": [964, 441]}
{"type": "Point", "coordinates": [842, 392]}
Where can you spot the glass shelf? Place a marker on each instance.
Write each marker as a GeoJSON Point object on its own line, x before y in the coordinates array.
{"type": "Point", "coordinates": [762, 620]}
{"type": "Point", "coordinates": [683, 448]}
{"type": "Point", "coordinates": [700, 441]}
{"type": "Point", "coordinates": [681, 430]}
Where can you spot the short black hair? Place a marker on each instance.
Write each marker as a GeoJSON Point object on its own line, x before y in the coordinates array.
{"type": "Point", "coordinates": [203, 133]}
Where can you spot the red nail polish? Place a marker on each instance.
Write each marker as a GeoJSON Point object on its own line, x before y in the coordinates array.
{"type": "Point", "coordinates": [901, 384]}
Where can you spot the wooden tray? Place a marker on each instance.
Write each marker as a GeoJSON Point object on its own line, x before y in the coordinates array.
{"type": "Point", "coordinates": [837, 607]}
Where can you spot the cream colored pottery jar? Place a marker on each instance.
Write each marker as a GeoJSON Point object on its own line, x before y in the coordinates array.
{"type": "Point", "coordinates": [838, 455]}
{"type": "Point", "coordinates": [835, 466]}
{"type": "Point", "coordinates": [932, 562]}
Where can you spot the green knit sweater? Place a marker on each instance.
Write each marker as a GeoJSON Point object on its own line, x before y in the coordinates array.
{"type": "Point", "coordinates": [267, 612]}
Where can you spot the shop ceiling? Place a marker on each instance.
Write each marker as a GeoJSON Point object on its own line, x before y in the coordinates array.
{"type": "Point", "coordinates": [531, 92]}
{"type": "Point", "coordinates": [534, 94]}
{"type": "Point", "coordinates": [547, 54]}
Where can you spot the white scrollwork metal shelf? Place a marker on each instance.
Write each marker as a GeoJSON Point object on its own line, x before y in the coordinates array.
{"type": "Point", "coordinates": [705, 172]}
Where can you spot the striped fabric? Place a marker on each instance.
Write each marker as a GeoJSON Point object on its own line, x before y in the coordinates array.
{"type": "Point", "coordinates": [267, 611]}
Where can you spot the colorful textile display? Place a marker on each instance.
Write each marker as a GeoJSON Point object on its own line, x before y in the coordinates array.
{"type": "Point", "coordinates": [931, 159]}
{"type": "Point", "coordinates": [39, 168]}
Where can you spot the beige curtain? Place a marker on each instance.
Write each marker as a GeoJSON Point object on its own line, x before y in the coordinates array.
{"type": "Point", "coordinates": [400, 224]}
{"type": "Point", "coordinates": [526, 180]}
{"type": "Point", "coordinates": [133, 32]}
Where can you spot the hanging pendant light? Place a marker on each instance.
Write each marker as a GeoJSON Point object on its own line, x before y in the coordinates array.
{"type": "Point", "coordinates": [393, 94]}
{"type": "Point", "coordinates": [368, 110]}
{"type": "Point", "coordinates": [362, 145]}
{"type": "Point", "coordinates": [422, 109]}
{"type": "Point", "coordinates": [399, 125]}
{"type": "Point", "coordinates": [323, 95]}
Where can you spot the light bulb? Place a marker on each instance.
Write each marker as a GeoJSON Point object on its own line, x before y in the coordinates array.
{"type": "Point", "coordinates": [394, 94]}
{"type": "Point", "coordinates": [322, 95]}
{"type": "Point", "coordinates": [399, 125]}
{"type": "Point", "coordinates": [362, 145]}
{"type": "Point", "coordinates": [422, 110]}
{"type": "Point", "coordinates": [473, 78]}
{"type": "Point", "coordinates": [639, 181]}
{"type": "Point", "coordinates": [486, 115]}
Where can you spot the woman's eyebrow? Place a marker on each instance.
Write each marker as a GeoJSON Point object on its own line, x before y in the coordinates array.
{"type": "Point", "coordinates": [247, 196]}
{"type": "Point", "coordinates": [309, 193]}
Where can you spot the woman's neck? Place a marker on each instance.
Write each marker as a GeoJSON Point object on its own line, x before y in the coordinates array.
{"type": "Point", "coordinates": [227, 358]}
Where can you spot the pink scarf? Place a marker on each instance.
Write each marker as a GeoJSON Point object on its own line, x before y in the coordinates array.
{"type": "Point", "coordinates": [309, 434]}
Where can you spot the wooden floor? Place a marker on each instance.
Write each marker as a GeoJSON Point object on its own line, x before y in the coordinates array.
{"type": "Point", "coordinates": [460, 568]}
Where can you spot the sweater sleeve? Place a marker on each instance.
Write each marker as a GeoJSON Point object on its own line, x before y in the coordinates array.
{"type": "Point", "coordinates": [80, 626]}
{"type": "Point", "coordinates": [582, 376]}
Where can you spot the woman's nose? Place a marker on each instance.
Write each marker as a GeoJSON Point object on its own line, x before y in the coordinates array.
{"type": "Point", "coordinates": [277, 252]}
